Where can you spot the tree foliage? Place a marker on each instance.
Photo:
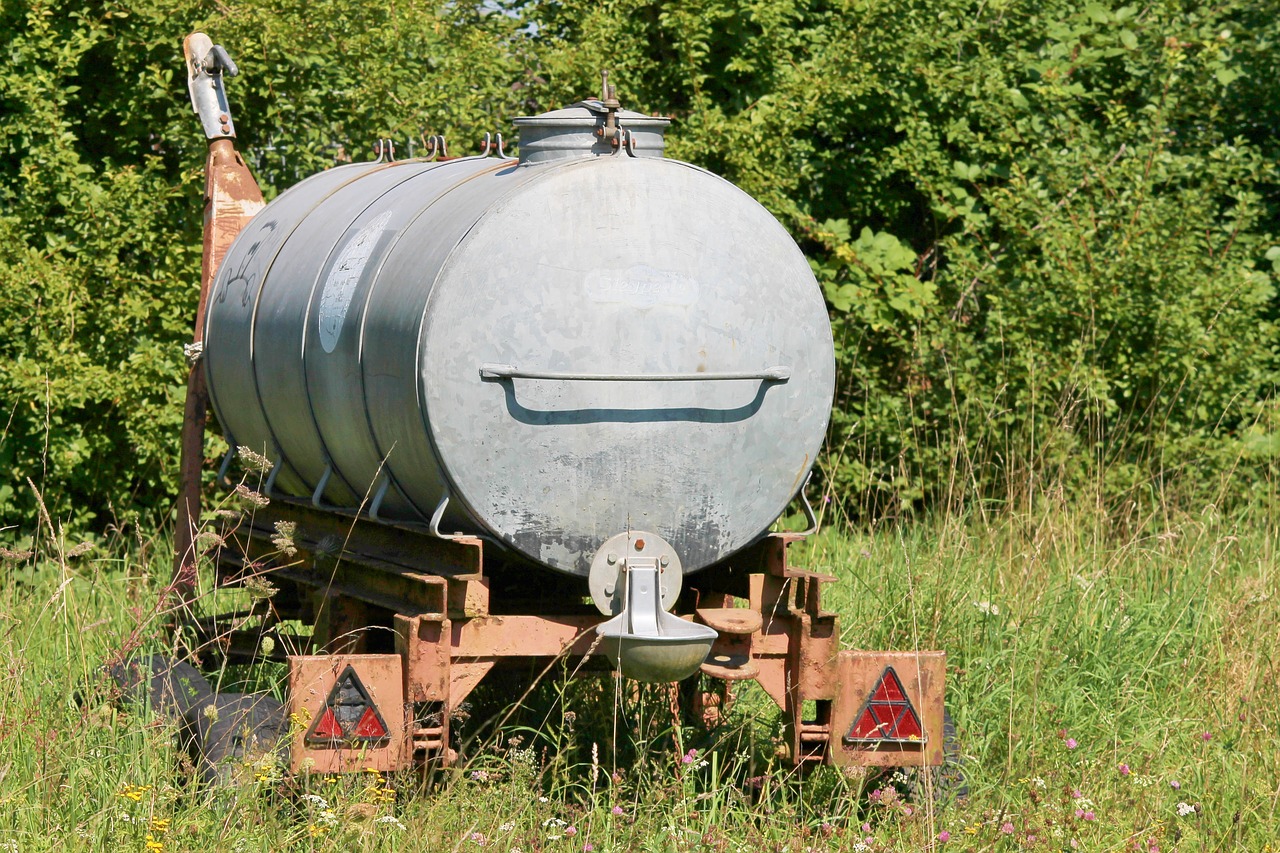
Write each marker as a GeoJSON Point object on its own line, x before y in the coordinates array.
{"type": "Point", "coordinates": [1045, 231]}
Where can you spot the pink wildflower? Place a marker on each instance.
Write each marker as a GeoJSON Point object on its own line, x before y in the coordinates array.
{"type": "Point", "coordinates": [1174, 784]}
{"type": "Point", "coordinates": [1089, 815]}
{"type": "Point", "coordinates": [1071, 743]}
{"type": "Point", "coordinates": [866, 827]}
{"type": "Point", "coordinates": [1007, 828]}
{"type": "Point", "coordinates": [1075, 794]}
{"type": "Point", "coordinates": [944, 836]}
{"type": "Point", "coordinates": [588, 847]}
{"type": "Point", "coordinates": [618, 811]}
{"type": "Point", "coordinates": [570, 831]}
{"type": "Point", "coordinates": [1124, 770]}
{"type": "Point", "coordinates": [689, 756]}
{"type": "Point", "coordinates": [1206, 736]}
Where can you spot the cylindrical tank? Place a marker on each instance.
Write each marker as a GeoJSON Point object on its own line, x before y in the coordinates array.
{"type": "Point", "coordinates": [590, 340]}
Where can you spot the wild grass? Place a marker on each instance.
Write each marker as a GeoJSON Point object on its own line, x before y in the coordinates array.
{"type": "Point", "coordinates": [1115, 687]}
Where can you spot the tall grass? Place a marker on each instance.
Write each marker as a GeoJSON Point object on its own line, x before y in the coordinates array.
{"type": "Point", "coordinates": [1115, 687]}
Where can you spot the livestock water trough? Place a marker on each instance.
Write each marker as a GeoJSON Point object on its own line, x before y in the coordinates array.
{"type": "Point", "coordinates": [518, 411]}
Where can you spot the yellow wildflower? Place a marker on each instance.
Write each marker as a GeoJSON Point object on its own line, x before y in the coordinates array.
{"type": "Point", "coordinates": [134, 792]}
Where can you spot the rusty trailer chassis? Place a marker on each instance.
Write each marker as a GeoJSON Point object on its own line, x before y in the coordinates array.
{"type": "Point", "coordinates": [423, 620]}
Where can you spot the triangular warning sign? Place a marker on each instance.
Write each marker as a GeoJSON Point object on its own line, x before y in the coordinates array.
{"type": "Point", "coordinates": [887, 715]}
{"type": "Point", "coordinates": [349, 717]}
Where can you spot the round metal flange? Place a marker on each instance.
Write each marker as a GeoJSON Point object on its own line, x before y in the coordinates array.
{"type": "Point", "coordinates": [606, 578]}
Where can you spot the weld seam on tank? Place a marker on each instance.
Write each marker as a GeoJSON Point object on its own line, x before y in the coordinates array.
{"type": "Point", "coordinates": [274, 441]}
{"type": "Point", "coordinates": [375, 275]}
{"type": "Point", "coordinates": [377, 166]}
{"type": "Point", "coordinates": [208, 362]}
{"type": "Point", "coordinates": [316, 285]}
{"type": "Point", "coordinates": [385, 454]}
{"type": "Point", "coordinates": [457, 496]}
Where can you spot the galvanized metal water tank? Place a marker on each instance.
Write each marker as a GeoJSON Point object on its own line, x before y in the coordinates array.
{"type": "Point", "coordinates": [589, 340]}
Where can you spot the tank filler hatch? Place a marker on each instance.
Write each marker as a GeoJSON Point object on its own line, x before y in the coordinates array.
{"type": "Point", "coordinates": [637, 575]}
{"type": "Point", "coordinates": [589, 128]}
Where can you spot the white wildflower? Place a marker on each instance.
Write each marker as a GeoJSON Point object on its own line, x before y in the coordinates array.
{"type": "Point", "coordinates": [987, 607]}
{"type": "Point", "coordinates": [390, 820]}
{"type": "Point", "coordinates": [1185, 809]}
{"type": "Point", "coordinates": [316, 800]}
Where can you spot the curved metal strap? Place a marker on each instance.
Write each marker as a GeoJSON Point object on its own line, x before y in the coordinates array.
{"type": "Point", "coordinates": [383, 485]}
{"type": "Point", "coordinates": [318, 494]}
{"type": "Point", "coordinates": [434, 528]}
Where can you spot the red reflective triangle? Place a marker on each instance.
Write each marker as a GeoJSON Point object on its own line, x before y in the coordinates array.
{"type": "Point", "coordinates": [908, 724]}
{"type": "Point", "coordinates": [370, 726]}
{"type": "Point", "coordinates": [889, 689]}
{"type": "Point", "coordinates": [887, 714]}
{"type": "Point", "coordinates": [866, 727]}
{"type": "Point", "coordinates": [328, 726]}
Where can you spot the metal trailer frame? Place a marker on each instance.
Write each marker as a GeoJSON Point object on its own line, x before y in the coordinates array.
{"type": "Point", "coordinates": [421, 623]}
{"type": "Point", "coordinates": [406, 623]}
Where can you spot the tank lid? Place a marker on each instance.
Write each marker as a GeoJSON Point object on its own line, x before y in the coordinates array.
{"type": "Point", "coordinates": [588, 129]}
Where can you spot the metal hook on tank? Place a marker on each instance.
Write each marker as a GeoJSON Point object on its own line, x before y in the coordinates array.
{"type": "Point", "coordinates": [225, 467]}
{"type": "Point", "coordinates": [501, 154]}
{"type": "Point", "coordinates": [485, 146]}
{"type": "Point", "coordinates": [623, 141]}
{"type": "Point", "coordinates": [434, 527]}
{"type": "Point", "coordinates": [385, 150]}
{"type": "Point", "coordinates": [435, 147]}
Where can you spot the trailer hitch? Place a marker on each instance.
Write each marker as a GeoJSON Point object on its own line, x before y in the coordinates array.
{"type": "Point", "coordinates": [207, 63]}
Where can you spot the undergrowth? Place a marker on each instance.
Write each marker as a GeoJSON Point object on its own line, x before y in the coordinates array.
{"type": "Point", "coordinates": [1114, 688]}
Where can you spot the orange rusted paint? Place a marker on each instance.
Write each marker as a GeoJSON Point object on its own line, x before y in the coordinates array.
{"type": "Point", "coordinates": [232, 197]}
{"type": "Point", "coordinates": [774, 630]}
{"type": "Point", "coordinates": [311, 678]}
{"type": "Point", "coordinates": [922, 675]}
{"type": "Point", "coordinates": [524, 636]}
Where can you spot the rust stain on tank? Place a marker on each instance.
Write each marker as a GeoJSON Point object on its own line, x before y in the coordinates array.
{"type": "Point", "coordinates": [804, 467]}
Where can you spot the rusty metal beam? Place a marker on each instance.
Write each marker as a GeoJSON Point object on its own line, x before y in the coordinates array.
{"type": "Point", "coordinates": [232, 197]}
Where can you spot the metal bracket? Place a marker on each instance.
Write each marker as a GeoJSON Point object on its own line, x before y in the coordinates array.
{"type": "Point", "coordinates": [434, 527]}
{"type": "Point", "coordinates": [207, 63]}
{"type": "Point", "coordinates": [436, 148]}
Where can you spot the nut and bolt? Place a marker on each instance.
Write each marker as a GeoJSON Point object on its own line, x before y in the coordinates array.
{"type": "Point", "coordinates": [612, 559]}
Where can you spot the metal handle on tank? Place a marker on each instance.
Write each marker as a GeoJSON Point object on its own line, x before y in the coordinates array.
{"type": "Point", "coordinates": [507, 371]}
